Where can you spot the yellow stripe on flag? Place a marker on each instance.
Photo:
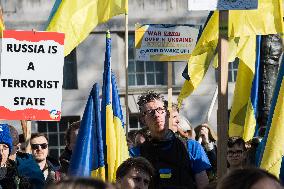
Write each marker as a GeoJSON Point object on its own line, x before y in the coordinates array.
{"type": "Point", "coordinates": [77, 18]}
{"type": "Point", "coordinates": [267, 19]}
{"type": "Point", "coordinates": [99, 173]}
{"type": "Point", "coordinates": [242, 120]}
{"type": "Point", "coordinates": [274, 148]}
{"type": "Point", "coordinates": [110, 143]}
{"type": "Point", "coordinates": [122, 152]}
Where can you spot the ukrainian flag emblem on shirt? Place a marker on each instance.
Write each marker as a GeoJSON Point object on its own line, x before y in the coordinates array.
{"type": "Point", "coordinates": [165, 173]}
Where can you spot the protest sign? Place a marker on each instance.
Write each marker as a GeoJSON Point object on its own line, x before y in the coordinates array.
{"type": "Point", "coordinates": [31, 75]}
{"type": "Point", "coordinates": [164, 42]}
{"type": "Point", "coordinates": [222, 4]}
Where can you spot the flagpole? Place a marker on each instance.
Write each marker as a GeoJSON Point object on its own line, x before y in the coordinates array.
{"type": "Point", "coordinates": [222, 113]}
{"type": "Point", "coordinates": [126, 75]}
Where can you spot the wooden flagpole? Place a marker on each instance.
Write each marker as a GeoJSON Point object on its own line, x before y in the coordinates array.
{"type": "Point", "coordinates": [222, 114]}
{"type": "Point", "coordinates": [170, 92]}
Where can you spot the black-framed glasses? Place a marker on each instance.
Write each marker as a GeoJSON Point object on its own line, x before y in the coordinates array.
{"type": "Point", "coordinates": [151, 112]}
{"type": "Point", "coordinates": [36, 146]}
{"type": "Point", "coordinates": [232, 152]}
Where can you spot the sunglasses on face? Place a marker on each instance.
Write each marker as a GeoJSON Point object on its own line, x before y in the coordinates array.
{"type": "Point", "coordinates": [152, 112]}
{"type": "Point", "coordinates": [36, 146]}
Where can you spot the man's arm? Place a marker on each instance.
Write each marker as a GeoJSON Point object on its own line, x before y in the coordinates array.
{"type": "Point", "coordinates": [201, 179]}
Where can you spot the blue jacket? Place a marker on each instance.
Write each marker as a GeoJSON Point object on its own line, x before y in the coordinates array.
{"type": "Point", "coordinates": [27, 166]}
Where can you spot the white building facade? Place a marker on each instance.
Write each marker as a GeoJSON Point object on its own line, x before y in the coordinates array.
{"type": "Point", "coordinates": [84, 66]}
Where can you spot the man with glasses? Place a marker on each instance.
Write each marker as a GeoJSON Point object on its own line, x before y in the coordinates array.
{"type": "Point", "coordinates": [236, 153]}
{"type": "Point", "coordinates": [171, 158]}
{"type": "Point", "coordinates": [49, 166]}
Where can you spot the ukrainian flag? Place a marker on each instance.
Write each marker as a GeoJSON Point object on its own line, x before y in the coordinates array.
{"type": "Point", "coordinates": [267, 19]}
{"type": "Point", "coordinates": [245, 102]}
{"type": "Point", "coordinates": [88, 156]}
{"type": "Point", "coordinates": [112, 120]}
{"type": "Point", "coordinates": [272, 148]}
{"type": "Point", "coordinates": [122, 152]}
{"type": "Point", "coordinates": [77, 18]}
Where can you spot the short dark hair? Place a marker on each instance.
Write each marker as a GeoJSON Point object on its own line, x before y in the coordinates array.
{"type": "Point", "coordinates": [77, 183]}
{"type": "Point", "coordinates": [148, 97]}
{"type": "Point", "coordinates": [74, 126]}
{"type": "Point", "coordinates": [244, 178]}
{"type": "Point", "coordinates": [139, 163]}
{"type": "Point", "coordinates": [35, 135]}
{"type": "Point", "coordinates": [236, 140]}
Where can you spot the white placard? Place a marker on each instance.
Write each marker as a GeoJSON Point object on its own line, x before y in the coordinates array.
{"type": "Point", "coordinates": [161, 42]}
{"type": "Point", "coordinates": [31, 75]}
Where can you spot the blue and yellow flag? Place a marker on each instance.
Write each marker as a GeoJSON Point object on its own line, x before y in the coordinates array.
{"type": "Point", "coordinates": [272, 149]}
{"type": "Point", "coordinates": [244, 108]}
{"type": "Point", "coordinates": [77, 18]}
{"type": "Point", "coordinates": [267, 19]}
{"type": "Point", "coordinates": [122, 152]}
{"type": "Point", "coordinates": [88, 155]}
{"type": "Point", "coordinates": [113, 133]}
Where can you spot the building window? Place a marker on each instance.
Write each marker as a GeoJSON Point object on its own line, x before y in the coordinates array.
{"type": "Point", "coordinates": [233, 70]}
{"type": "Point", "coordinates": [70, 80]}
{"type": "Point", "coordinates": [55, 132]}
{"type": "Point", "coordinates": [134, 123]}
{"type": "Point", "coordinates": [144, 73]}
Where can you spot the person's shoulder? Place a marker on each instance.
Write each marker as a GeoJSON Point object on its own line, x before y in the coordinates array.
{"type": "Point", "coordinates": [193, 143]}
{"type": "Point", "coordinates": [23, 156]}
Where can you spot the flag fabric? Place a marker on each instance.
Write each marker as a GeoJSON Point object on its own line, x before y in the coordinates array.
{"type": "Point", "coordinates": [2, 25]}
{"type": "Point", "coordinates": [107, 114]}
{"type": "Point", "coordinates": [244, 108]}
{"type": "Point", "coordinates": [201, 57]}
{"type": "Point", "coordinates": [77, 18]}
{"type": "Point", "coordinates": [113, 134]}
{"type": "Point", "coordinates": [122, 152]}
{"type": "Point", "coordinates": [88, 156]}
{"type": "Point", "coordinates": [272, 146]}
{"type": "Point", "coordinates": [267, 19]}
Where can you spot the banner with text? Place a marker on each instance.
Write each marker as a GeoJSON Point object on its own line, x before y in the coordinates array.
{"type": "Point", "coordinates": [164, 42]}
{"type": "Point", "coordinates": [31, 75]}
{"type": "Point", "coordinates": [222, 4]}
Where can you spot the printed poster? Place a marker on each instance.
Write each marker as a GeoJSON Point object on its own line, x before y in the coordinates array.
{"type": "Point", "coordinates": [31, 75]}
{"type": "Point", "coordinates": [165, 42]}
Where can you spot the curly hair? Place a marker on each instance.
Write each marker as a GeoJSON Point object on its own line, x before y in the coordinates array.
{"type": "Point", "coordinates": [148, 97]}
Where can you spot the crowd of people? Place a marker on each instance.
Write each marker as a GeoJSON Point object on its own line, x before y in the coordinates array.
{"type": "Point", "coordinates": [163, 156]}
